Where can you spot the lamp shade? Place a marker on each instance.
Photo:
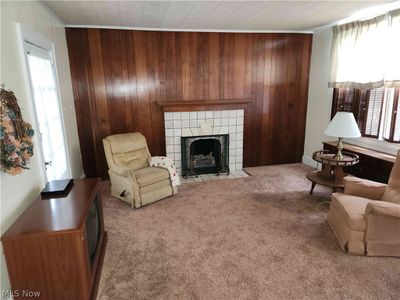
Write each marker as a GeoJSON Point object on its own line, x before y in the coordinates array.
{"type": "Point", "coordinates": [343, 125]}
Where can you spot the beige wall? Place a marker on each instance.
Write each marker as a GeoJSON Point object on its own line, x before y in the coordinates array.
{"type": "Point", "coordinates": [17, 192]}
{"type": "Point", "coordinates": [319, 95]}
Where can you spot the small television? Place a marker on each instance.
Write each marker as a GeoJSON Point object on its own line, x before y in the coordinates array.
{"type": "Point", "coordinates": [93, 230]}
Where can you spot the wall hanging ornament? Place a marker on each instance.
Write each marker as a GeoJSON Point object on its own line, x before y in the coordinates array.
{"type": "Point", "coordinates": [15, 135]}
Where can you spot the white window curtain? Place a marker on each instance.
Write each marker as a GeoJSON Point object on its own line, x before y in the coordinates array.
{"type": "Point", "coordinates": [366, 54]}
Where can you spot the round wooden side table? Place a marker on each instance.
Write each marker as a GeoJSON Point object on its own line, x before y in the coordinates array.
{"type": "Point", "coordinates": [332, 173]}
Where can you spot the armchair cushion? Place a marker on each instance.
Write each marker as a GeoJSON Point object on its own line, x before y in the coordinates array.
{"type": "Point", "coordinates": [363, 188]}
{"type": "Point", "coordinates": [150, 175]}
{"type": "Point", "coordinates": [383, 208]}
{"type": "Point", "coordinates": [352, 210]}
{"type": "Point", "coordinates": [126, 142]}
{"type": "Point", "coordinates": [166, 163]}
{"type": "Point", "coordinates": [134, 160]}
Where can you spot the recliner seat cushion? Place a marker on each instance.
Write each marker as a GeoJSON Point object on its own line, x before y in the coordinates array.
{"type": "Point", "coordinates": [352, 209]}
{"type": "Point", "coordinates": [150, 175]}
{"type": "Point", "coordinates": [155, 186]}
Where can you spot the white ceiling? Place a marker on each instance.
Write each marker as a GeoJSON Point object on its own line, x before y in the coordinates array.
{"type": "Point", "coordinates": [209, 15]}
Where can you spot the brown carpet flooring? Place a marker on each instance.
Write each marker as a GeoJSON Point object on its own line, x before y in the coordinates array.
{"type": "Point", "coordinates": [259, 237]}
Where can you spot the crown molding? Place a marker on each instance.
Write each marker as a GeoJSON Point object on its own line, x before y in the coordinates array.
{"type": "Point", "coordinates": [187, 29]}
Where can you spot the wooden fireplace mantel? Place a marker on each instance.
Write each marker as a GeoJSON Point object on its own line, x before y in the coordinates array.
{"type": "Point", "coordinates": [203, 104]}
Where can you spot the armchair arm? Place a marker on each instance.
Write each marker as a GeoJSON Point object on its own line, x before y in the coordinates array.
{"type": "Point", "coordinates": [124, 185]}
{"type": "Point", "coordinates": [363, 188]}
{"type": "Point", "coordinates": [382, 233]}
{"type": "Point", "coordinates": [383, 208]}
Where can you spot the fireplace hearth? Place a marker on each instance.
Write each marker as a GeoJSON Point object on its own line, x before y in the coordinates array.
{"type": "Point", "coordinates": [205, 154]}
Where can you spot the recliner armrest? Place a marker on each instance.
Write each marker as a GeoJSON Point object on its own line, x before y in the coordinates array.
{"type": "Point", "coordinates": [120, 170]}
{"type": "Point", "coordinates": [383, 208]}
{"type": "Point", "coordinates": [363, 188]}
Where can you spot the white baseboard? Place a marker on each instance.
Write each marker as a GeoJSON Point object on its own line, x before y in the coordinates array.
{"type": "Point", "coordinates": [83, 176]}
{"type": "Point", "coordinates": [307, 160]}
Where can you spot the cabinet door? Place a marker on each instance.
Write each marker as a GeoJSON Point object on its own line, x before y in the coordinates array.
{"type": "Point", "coordinates": [52, 264]}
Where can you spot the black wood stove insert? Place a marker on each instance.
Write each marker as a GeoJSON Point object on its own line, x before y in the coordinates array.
{"type": "Point", "coordinates": [205, 154]}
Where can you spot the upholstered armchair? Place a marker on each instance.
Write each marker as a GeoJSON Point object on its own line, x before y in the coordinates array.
{"type": "Point", "coordinates": [132, 178]}
{"type": "Point", "coordinates": [366, 218]}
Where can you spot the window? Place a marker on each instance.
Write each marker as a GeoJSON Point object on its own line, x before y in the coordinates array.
{"type": "Point", "coordinates": [375, 111]}
{"type": "Point", "coordinates": [44, 87]}
{"type": "Point", "coordinates": [365, 74]}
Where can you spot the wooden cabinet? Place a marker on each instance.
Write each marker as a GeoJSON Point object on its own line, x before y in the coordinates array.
{"type": "Point", "coordinates": [373, 165]}
{"type": "Point", "coordinates": [56, 247]}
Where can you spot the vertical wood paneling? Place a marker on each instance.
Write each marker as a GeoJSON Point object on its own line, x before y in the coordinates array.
{"type": "Point", "coordinates": [114, 68]}
{"type": "Point", "coordinates": [79, 60]}
{"type": "Point", "coordinates": [132, 113]}
{"type": "Point", "coordinates": [266, 101]}
{"type": "Point", "coordinates": [185, 65]}
{"type": "Point", "coordinates": [119, 75]}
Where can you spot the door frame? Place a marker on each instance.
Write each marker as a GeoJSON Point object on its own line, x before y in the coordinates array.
{"type": "Point", "coordinates": [27, 36]}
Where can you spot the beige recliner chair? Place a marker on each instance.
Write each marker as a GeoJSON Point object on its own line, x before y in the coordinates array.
{"type": "Point", "coordinates": [366, 218]}
{"type": "Point", "coordinates": [132, 179]}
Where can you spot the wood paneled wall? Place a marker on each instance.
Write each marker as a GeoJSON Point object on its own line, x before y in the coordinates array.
{"type": "Point", "coordinates": [119, 75]}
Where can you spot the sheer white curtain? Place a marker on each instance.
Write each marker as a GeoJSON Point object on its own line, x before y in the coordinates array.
{"type": "Point", "coordinates": [366, 54]}
{"type": "Point", "coordinates": [392, 74]}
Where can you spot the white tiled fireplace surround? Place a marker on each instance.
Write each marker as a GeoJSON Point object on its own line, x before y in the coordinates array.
{"type": "Point", "coordinates": [198, 123]}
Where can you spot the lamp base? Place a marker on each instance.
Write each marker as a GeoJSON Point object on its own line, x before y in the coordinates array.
{"type": "Point", "coordinates": [339, 155]}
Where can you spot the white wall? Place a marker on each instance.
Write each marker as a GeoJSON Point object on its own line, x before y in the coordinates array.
{"type": "Point", "coordinates": [319, 95]}
{"type": "Point", "coordinates": [17, 192]}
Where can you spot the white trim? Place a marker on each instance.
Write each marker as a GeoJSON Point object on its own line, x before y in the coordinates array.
{"type": "Point", "coordinates": [324, 27]}
{"type": "Point", "coordinates": [27, 36]}
{"type": "Point", "coordinates": [186, 29]}
{"type": "Point", "coordinates": [23, 34]}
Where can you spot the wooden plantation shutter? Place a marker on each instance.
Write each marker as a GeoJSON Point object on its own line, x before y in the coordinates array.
{"type": "Point", "coordinates": [388, 128]}
{"type": "Point", "coordinates": [373, 112]}
{"type": "Point", "coordinates": [351, 100]}
{"type": "Point", "coordinates": [343, 100]}
{"type": "Point", "coordinates": [360, 107]}
{"type": "Point", "coordinates": [396, 117]}
{"type": "Point", "coordinates": [391, 131]}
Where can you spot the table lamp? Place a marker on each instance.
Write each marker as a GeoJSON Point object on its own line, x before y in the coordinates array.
{"type": "Point", "coordinates": [343, 125]}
